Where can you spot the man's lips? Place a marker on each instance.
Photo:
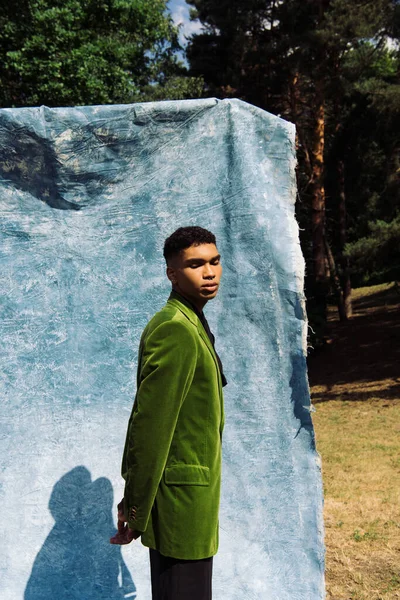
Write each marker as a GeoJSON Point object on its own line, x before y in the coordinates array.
{"type": "Point", "coordinates": [210, 285]}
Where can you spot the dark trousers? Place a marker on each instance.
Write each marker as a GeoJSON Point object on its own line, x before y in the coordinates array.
{"type": "Point", "coordinates": [178, 579]}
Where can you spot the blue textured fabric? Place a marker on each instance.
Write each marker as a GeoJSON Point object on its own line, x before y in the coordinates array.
{"type": "Point", "coordinates": [88, 196]}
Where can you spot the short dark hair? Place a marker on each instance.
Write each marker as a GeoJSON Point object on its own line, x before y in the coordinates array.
{"type": "Point", "coordinates": [183, 238]}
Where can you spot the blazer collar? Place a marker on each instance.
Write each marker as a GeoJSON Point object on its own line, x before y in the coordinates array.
{"type": "Point", "coordinates": [188, 310]}
{"type": "Point", "coordinates": [185, 306]}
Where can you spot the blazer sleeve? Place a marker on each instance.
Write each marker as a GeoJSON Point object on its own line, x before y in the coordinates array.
{"type": "Point", "coordinates": [168, 363]}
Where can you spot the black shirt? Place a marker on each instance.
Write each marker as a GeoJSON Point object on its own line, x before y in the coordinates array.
{"type": "Point", "coordinates": [204, 322]}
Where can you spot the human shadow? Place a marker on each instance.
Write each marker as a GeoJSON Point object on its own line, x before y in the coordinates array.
{"type": "Point", "coordinates": [77, 561]}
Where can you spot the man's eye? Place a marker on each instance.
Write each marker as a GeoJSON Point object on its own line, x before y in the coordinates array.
{"type": "Point", "coordinates": [194, 266]}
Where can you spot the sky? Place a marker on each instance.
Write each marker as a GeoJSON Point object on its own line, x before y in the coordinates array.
{"type": "Point", "coordinates": [180, 14]}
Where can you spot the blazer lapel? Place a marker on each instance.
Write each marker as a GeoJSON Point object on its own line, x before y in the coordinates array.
{"type": "Point", "coordinates": [188, 311]}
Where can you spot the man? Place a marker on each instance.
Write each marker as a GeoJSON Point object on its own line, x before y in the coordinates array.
{"type": "Point", "coordinates": [172, 456]}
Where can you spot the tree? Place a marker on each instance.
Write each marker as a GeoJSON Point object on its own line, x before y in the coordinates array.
{"type": "Point", "coordinates": [75, 52]}
{"type": "Point", "coordinates": [363, 150]}
{"type": "Point", "coordinates": [174, 87]}
{"type": "Point", "coordinates": [376, 257]}
{"type": "Point", "coordinates": [293, 58]}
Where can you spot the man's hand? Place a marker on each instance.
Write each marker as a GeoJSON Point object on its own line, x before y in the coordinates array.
{"type": "Point", "coordinates": [125, 535]}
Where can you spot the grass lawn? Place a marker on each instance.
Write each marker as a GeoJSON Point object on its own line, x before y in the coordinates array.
{"type": "Point", "coordinates": [355, 388]}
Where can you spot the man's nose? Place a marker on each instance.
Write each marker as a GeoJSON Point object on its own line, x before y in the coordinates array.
{"type": "Point", "coordinates": [208, 271]}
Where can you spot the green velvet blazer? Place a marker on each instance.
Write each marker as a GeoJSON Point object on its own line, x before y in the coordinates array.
{"type": "Point", "coordinates": [172, 456]}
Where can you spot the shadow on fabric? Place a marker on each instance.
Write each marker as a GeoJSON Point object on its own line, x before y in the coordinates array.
{"type": "Point", "coordinates": [76, 561]}
{"type": "Point", "coordinates": [300, 395]}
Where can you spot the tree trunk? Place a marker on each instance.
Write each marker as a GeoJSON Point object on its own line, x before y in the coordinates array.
{"type": "Point", "coordinates": [317, 187]}
{"type": "Point", "coordinates": [336, 282]}
{"type": "Point", "coordinates": [294, 101]}
{"type": "Point", "coordinates": [344, 261]}
{"type": "Point", "coordinates": [317, 192]}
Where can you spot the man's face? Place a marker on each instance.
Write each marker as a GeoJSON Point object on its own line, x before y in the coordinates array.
{"type": "Point", "coordinates": [196, 268]}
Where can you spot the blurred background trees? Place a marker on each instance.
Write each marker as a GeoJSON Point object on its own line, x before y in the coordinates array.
{"type": "Point", "coordinates": [329, 66]}
{"type": "Point", "coordinates": [77, 52]}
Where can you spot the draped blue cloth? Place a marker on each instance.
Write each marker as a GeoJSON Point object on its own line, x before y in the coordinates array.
{"type": "Point", "coordinates": [88, 196]}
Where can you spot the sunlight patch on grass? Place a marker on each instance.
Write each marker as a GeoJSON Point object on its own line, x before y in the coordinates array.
{"type": "Point", "coordinates": [356, 392]}
{"type": "Point", "coordinates": [363, 292]}
{"type": "Point", "coordinates": [359, 443]}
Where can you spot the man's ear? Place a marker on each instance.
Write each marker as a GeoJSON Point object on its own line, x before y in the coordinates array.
{"type": "Point", "coordinates": [171, 274]}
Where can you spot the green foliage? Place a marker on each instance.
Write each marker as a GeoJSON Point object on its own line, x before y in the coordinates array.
{"type": "Point", "coordinates": [372, 70]}
{"type": "Point", "coordinates": [233, 54]}
{"type": "Point", "coordinates": [376, 257]}
{"type": "Point", "coordinates": [75, 52]}
{"type": "Point", "coordinates": [178, 87]}
{"type": "Point", "coordinates": [364, 135]}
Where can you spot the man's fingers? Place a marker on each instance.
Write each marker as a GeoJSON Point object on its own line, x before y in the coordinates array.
{"type": "Point", "coordinates": [130, 534]}
{"type": "Point", "coordinates": [125, 537]}
{"type": "Point", "coordinates": [121, 516]}
{"type": "Point", "coordinates": [118, 538]}
{"type": "Point", "coordinates": [122, 538]}
{"type": "Point", "coordinates": [121, 526]}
